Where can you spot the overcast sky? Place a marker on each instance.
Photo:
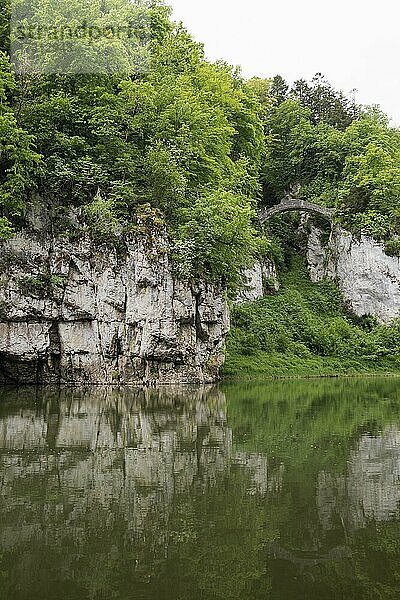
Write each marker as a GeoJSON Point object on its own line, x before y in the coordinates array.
{"type": "Point", "coordinates": [354, 43]}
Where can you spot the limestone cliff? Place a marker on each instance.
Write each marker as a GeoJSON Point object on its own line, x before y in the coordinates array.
{"type": "Point", "coordinates": [79, 313]}
{"type": "Point", "coordinates": [258, 281]}
{"type": "Point", "coordinates": [368, 278]}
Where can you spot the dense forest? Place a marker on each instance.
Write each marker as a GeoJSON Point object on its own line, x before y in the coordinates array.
{"type": "Point", "coordinates": [192, 147]}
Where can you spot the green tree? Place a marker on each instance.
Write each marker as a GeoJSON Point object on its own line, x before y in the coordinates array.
{"type": "Point", "coordinates": [326, 104]}
{"type": "Point", "coordinates": [18, 160]}
{"type": "Point", "coordinates": [217, 239]}
{"type": "Point", "coordinates": [279, 89]}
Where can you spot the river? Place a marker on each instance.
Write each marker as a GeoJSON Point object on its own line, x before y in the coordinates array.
{"type": "Point", "coordinates": [286, 490]}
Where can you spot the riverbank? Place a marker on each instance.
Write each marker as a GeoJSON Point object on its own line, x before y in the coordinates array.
{"type": "Point", "coordinates": [264, 366]}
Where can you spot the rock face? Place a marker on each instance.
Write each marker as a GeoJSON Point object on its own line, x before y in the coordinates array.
{"type": "Point", "coordinates": [367, 277]}
{"type": "Point", "coordinates": [260, 280]}
{"type": "Point", "coordinates": [76, 313]}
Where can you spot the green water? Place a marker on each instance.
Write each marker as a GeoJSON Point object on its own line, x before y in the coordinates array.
{"type": "Point", "coordinates": [286, 490]}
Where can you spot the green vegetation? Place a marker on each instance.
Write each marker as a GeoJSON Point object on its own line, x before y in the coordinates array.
{"type": "Point", "coordinates": [191, 140]}
{"type": "Point", "coordinates": [41, 285]}
{"type": "Point", "coordinates": [191, 148]}
{"type": "Point", "coordinates": [184, 138]}
{"type": "Point", "coordinates": [335, 152]}
{"type": "Point", "coordinates": [305, 329]}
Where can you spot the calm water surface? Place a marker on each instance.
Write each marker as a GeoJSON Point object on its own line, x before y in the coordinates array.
{"type": "Point", "coordinates": [287, 490]}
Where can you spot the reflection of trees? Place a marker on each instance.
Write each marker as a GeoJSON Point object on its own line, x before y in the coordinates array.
{"type": "Point", "coordinates": [340, 490]}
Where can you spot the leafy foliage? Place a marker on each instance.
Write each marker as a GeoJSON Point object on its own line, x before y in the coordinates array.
{"type": "Point", "coordinates": [337, 153]}
{"type": "Point", "coordinates": [191, 141]}
{"type": "Point", "coordinates": [41, 285]}
{"type": "Point", "coordinates": [166, 138]}
{"type": "Point", "coordinates": [18, 161]}
{"type": "Point", "coordinates": [217, 233]}
{"type": "Point", "coordinates": [6, 229]}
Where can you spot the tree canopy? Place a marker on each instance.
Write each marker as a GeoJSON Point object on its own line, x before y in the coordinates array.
{"type": "Point", "coordinates": [184, 137]}
{"type": "Point", "coordinates": [337, 153]}
{"type": "Point", "coordinates": [191, 141]}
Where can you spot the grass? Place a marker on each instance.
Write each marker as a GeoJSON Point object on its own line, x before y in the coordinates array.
{"type": "Point", "coordinates": [279, 365]}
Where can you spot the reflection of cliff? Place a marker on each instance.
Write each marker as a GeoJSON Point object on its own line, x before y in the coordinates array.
{"type": "Point", "coordinates": [371, 487]}
{"type": "Point", "coordinates": [374, 475]}
{"type": "Point", "coordinates": [140, 448]}
{"type": "Point", "coordinates": [107, 491]}
{"type": "Point", "coordinates": [122, 456]}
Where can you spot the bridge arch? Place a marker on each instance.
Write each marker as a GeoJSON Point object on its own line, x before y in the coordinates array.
{"type": "Point", "coordinates": [292, 204]}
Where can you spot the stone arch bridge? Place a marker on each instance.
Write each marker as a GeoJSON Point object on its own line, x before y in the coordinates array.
{"type": "Point", "coordinates": [291, 204]}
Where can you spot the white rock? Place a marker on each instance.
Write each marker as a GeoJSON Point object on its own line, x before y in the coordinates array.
{"type": "Point", "coordinates": [105, 318]}
{"type": "Point", "coordinates": [368, 278]}
{"type": "Point", "coordinates": [256, 280]}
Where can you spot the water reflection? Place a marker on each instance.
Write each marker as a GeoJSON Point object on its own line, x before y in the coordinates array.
{"type": "Point", "coordinates": [370, 489]}
{"type": "Point", "coordinates": [284, 490]}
